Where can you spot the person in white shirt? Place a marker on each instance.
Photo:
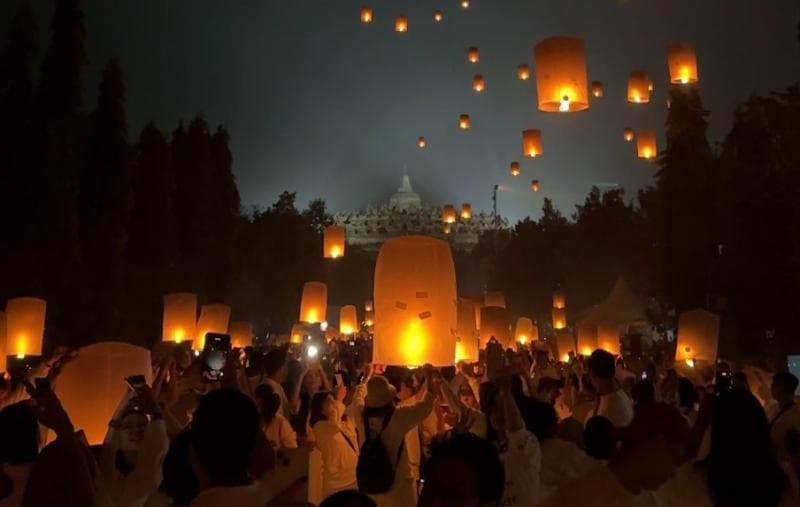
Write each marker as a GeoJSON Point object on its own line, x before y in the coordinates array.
{"type": "Point", "coordinates": [336, 439]}
{"type": "Point", "coordinates": [784, 421]}
{"type": "Point", "coordinates": [612, 402]}
{"type": "Point", "coordinates": [278, 431]}
{"type": "Point", "coordinates": [276, 369]}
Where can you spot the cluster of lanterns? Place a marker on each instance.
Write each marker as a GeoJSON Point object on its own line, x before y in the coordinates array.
{"type": "Point", "coordinates": [181, 323]}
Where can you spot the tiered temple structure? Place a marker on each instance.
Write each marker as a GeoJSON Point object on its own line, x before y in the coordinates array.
{"type": "Point", "coordinates": [404, 214]}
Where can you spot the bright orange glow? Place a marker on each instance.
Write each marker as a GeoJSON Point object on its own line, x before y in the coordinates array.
{"type": "Point", "coordinates": [465, 4]}
{"type": "Point", "coordinates": [639, 87]}
{"type": "Point", "coordinates": [438, 16]}
{"type": "Point", "coordinates": [532, 143]}
{"type": "Point", "coordinates": [523, 72]}
{"type": "Point", "coordinates": [413, 344]}
{"type": "Point", "coordinates": [333, 242]}
{"type": "Point", "coordinates": [314, 303]}
{"type": "Point", "coordinates": [565, 343]}
{"type": "Point", "coordinates": [401, 24]}
{"type": "Point", "coordinates": [179, 335]}
{"type": "Point", "coordinates": [368, 306]}
{"type": "Point", "coordinates": [561, 81]}
{"type": "Point", "coordinates": [682, 61]}
{"type": "Point", "coordinates": [348, 320]}
{"type": "Point", "coordinates": [473, 55]}
{"type": "Point", "coordinates": [559, 318]}
{"type": "Point", "coordinates": [535, 185]}
{"type": "Point", "coordinates": [690, 363]}
{"type": "Point", "coordinates": [448, 214]}
{"type": "Point", "coordinates": [180, 316]}
{"type": "Point", "coordinates": [25, 320]}
{"type": "Point", "coordinates": [608, 337]}
{"type": "Point", "coordinates": [495, 322]}
{"type": "Point", "coordinates": [214, 318]}
{"type": "Point", "coordinates": [421, 143]}
{"type": "Point", "coordinates": [515, 170]}
{"type": "Point", "coordinates": [241, 334]}
{"type": "Point", "coordinates": [698, 336]}
{"type": "Point", "coordinates": [646, 144]}
{"type": "Point", "coordinates": [597, 89]}
{"type": "Point", "coordinates": [366, 15]}
{"type": "Point", "coordinates": [478, 83]}
{"type": "Point", "coordinates": [559, 300]}
{"type": "Point", "coordinates": [466, 211]}
{"type": "Point", "coordinates": [463, 122]}
{"type": "Point", "coordinates": [627, 134]}
{"type": "Point", "coordinates": [523, 330]}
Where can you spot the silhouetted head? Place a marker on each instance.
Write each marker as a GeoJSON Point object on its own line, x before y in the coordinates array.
{"type": "Point", "coordinates": [267, 401]}
{"type": "Point", "coordinates": [179, 481]}
{"type": "Point", "coordinates": [644, 393]}
{"type": "Point", "coordinates": [599, 438]}
{"type": "Point", "coordinates": [348, 498]}
{"type": "Point", "coordinates": [601, 366]}
{"type": "Point", "coordinates": [275, 365]}
{"type": "Point", "coordinates": [687, 394]}
{"type": "Point", "coordinates": [19, 434]}
{"type": "Point", "coordinates": [784, 385]}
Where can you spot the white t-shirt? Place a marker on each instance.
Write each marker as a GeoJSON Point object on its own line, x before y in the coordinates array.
{"type": "Point", "coordinates": [522, 463]}
{"type": "Point", "coordinates": [562, 461]}
{"type": "Point", "coordinates": [616, 407]}
{"type": "Point", "coordinates": [280, 434]}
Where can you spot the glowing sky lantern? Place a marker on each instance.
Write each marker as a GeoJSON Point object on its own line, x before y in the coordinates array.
{"type": "Point", "coordinates": [587, 339]}
{"type": "Point", "coordinates": [438, 16]}
{"type": "Point", "coordinates": [447, 229]}
{"type": "Point", "coordinates": [241, 334]}
{"type": "Point", "coordinates": [698, 337]}
{"type": "Point", "coordinates": [565, 343]}
{"type": "Point", "coordinates": [3, 354]}
{"type": "Point", "coordinates": [532, 143]}
{"type": "Point", "coordinates": [523, 72]}
{"type": "Point", "coordinates": [369, 318]}
{"type": "Point", "coordinates": [646, 144]}
{"type": "Point", "coordinates": [559, 299]}
{"type": "Point", "coordinates": [466, 211]}
{"type": "Point", "coordinates": [559, 318]}
{"type": "Point", "coordinates": [473, 55]}
{"type": "Point", "coordinates": [25, 326]}
{"type": "Point", "coordinates": [523, 332]}
{"type": "Point", "coordinates": [91, 385]}
{"type": "Point", "coordinates": [180, 316]}
{"type": "Point", "coordinates": [463, 122]}
{"type": "Point", "coordinates": [421, 142]}
{"type": "Point", "coordinates": [333, 241]}
{"type": "Point", "coordinates": [494, 298]}
{"type": "Point", "coordinates": [465, 4]}
{"type": "Point", "coordinates": [368, 306]}
{"type": "Point", "coordinates": [627, 134]}
{"type": "Point", "coordinates": [495, 322]}
{"type": "Point", "coordinates": [515, 169]}
{"type": "Point", "coordinates": [561, 85]}
{"type": "Point", "coordinates": [478, 83]}
{"type": "Point", "coordinates": [415, 303]}
{"type": "Point", "coordinates": [298, 334]}
{"type": "Point", "coordinates": [682, 63]}
{"type": "Point", "coordinates": [467, 346]}
{"type": "Point", "coordinates": [314, 303]}
{"type": "Point", "coordinates": [448, 214]}
{"type": "Point", "coordinates": [214, 318]}
{"type": "Point", "coordinates": [366, 15]}
{"type": "Point", "coordinates": [535, 185]}
{"type": "Point", "coordinates": [597, 89]}
{"type": "Point", "coordinates": [348, 320]}
{"type": "Point", "coordinates": [638, 87]}
{"type": "Point", "coordinates": [608, 334]}
{"type": "Point", "coordinates": [401, 24]}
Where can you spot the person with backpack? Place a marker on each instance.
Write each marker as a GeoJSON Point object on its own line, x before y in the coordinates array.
{"type": "Point", "coordinates": [382, 429]}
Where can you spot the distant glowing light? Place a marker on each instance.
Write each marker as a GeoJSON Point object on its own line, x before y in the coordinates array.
{"type": "Point", "coordinates": [312, 351]}
{"type": "Point", "coordinates": [690, 363]}
{"type": "Point", "coordinates": [323, 326]}
{"type": "Point", "coordinates": [564, 106]}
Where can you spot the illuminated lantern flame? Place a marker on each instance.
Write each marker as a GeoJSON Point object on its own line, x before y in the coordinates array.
{"type": "Point", "coordinates": [559, 300]}
{"type": "Point", "coordinates": [646, 144]}
{"type": "Point", "coordinates": [561, 82]}
{"type": "Point", "coordinates": [463, 122]}
{"type": "Point", "coordinates": [473, 55]}
{"type": "Point", "coordinates": [465, 4]}
{"type": "Point", "coordinates": [447, 229]}
{"type": "Point", "coordinates": [532, 143]}
{"type": "Point", "coordinates": [415, 303]}
{"type": "Point", "coordinates": [467, 346]}
{"type": "Point", "coordinates": [523, 332]}
{"type": "Point", "coordinates": [698, 337]}
{"type": "Point", "coordinates": [368, 306]}
{"type": "Point", "coordinates": [214, 318]}
{"type": "Point", "coordinates": [401, 24]}
{"type": "Point", "coordinates": [298, 333]}
{"type": "Point", "coordinates": [597, 89]}
{"type": "Point", "coordinates": [627, 134]}
{"type": "Point", "coordinates": [3, 354]}
{"type": "Point", "coordinates": [478, 83]}
{"type": "Point", "coordinates": [494, 322]}
{"type": "Point", "coordinates": [523, 72]}
{"type": "Point", "coordinates": [241, 334]}
{"type": "Point", "coordinates": [682, 63]}
{"type": "Point", "coordinates": [638, 87]}
{"type": "Point", "coordinates": [314, 304]}
{"type": "Point", "coordinates": [25, 318]}
{"type": "Point", "coordinates": [565, 344]}
{"type": "Point", "coordinates": [587, 339]}
{"type": "Point", "coordinates": [535, 185]}
{"type": "Point", "coordinates": [348, 320]}
{"type": "Point", "coordinates": [333, 243]}
{"type": "Point", "coordinates": [515, 169]}
{"type": "Point", "coordinates": [448, 214]}
{"type": "Point", "coordinates": [559, 318]}
{"type": "Point", "coordinates": [608, 337]}
{"type": "Point", "coordinates": [369, 318]}
{"type": "Point", "coordinates": [366, 15]}
{"type": "Point", "coordinates": [438, 16]}
{"type": "Point", "coordinates": [180, 316]}
{"type": "Point", "coordinates": [421, 143]}
{"type": "Point", "coordinates": [466, 211]}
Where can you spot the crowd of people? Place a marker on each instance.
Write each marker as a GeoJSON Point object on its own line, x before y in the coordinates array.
{"type": "Point", "coordinates": [275, 427]}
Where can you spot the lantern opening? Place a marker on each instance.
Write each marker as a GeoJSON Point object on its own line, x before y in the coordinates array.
{"type": "Point", "coordinates": [564, 106]}
{"type": "Point", "coordinates": [690, 363]}
{"type": "Point", "coordinates": [179, 335]}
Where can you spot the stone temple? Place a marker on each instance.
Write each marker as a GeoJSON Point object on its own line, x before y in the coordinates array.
{"type": "Point", "coordinates": [406, 214]}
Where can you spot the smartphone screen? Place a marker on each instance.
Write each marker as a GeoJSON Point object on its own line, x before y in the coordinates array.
{"type": "Point", "coordinates": [215, 354]}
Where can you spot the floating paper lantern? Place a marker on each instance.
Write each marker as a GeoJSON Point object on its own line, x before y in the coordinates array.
{"type": "Point", "coordinates": [368, 307]}
{"type": "Point", "coordinates": [91, 386]}
{"type": "Point", "coordinates": [415, 303]}
{"type": "Point", "coordinates": [448, 214]}
{"type": "Point", "coordinates": [532, 143]}
{"type": "Point", "coordinates": [559, 318]}
{"type": "Point", "coordinates": [180, 316]}
{"type": "Point", "coordinates": [465, 4]}
{"type": "Point", "coordinates": [638, 87]}
{"type": "Point", "coordinates": [213, 318]}
{"type": "Point", "coordinates": [478, 83]}
{"type": "Point", "coordinates": [597, 89]}
{"type": "Point", "coordinates": [241, 334]}
{"type": "Point", "coordinates": [348, 320]}
{"type": "Point", "coordinates": [587, 339]}
{"type": "Point", "coordinates": [627, 134]}
{"type": "Point", "coordinates": [535, 185]}
{"type": "Point", "coordinates": [477, 304]}
{"type": "Point", "coordinates": [523, 72]}
{"type": "Point", "coordinates": [515, 169]}
{"type": "Point", "coordinates": [3, 354]}
{"type": "Point", "coordinates": [494, 298]}
{"type": "Point", "coordinates": [447, 229]}
{"type": "Point", "coordinates": [495, 323]}
{"type": "Point", "coordinates": [401, 24]}
{"type": "Point", "coordinates": [561, 74]}
{"type": "Point", "coordinates": [463, 122]}
{"type": "Point", "coordinates": [608, 337]}
{"type": "Point", "coordinates": [369, 318]}
{"type": "Point", "coordinates": [467, 346]}
{"type": "Point", "coordinates": [421, 143]}
{"type": "Point", "coordinates": [698, 337]}
{"type": "Point", "coordinates": [646, 144]}
{"type": "Point", "coordinates": [314, 304]}
{"type": "Point", "coordinates": [466, 211]}
{"type": "Point", "coordinates": [25, 326]}
{"type": "Point", "coordinates": [298, 334]}
{"type": "Point", "coordinates": [333, 241]}
{"type": "Point", "coordinates": [565, 343]}
{"type": "Point", "coordinates": [523, 332]}
{"type": "Point", "coordinates": [473, 55]}
{"type": "Point", "coordinates": [438, 16]}
{"type": "Point", "coordinates": [366, 15]}
{"type": "Point", "coordinates": [559, 299]}
{"type": "Point", "coordinates": [682, 63]}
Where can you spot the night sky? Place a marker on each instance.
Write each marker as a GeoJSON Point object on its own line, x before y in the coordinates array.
{"type": "Point", "coordinates": [318, 103]}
